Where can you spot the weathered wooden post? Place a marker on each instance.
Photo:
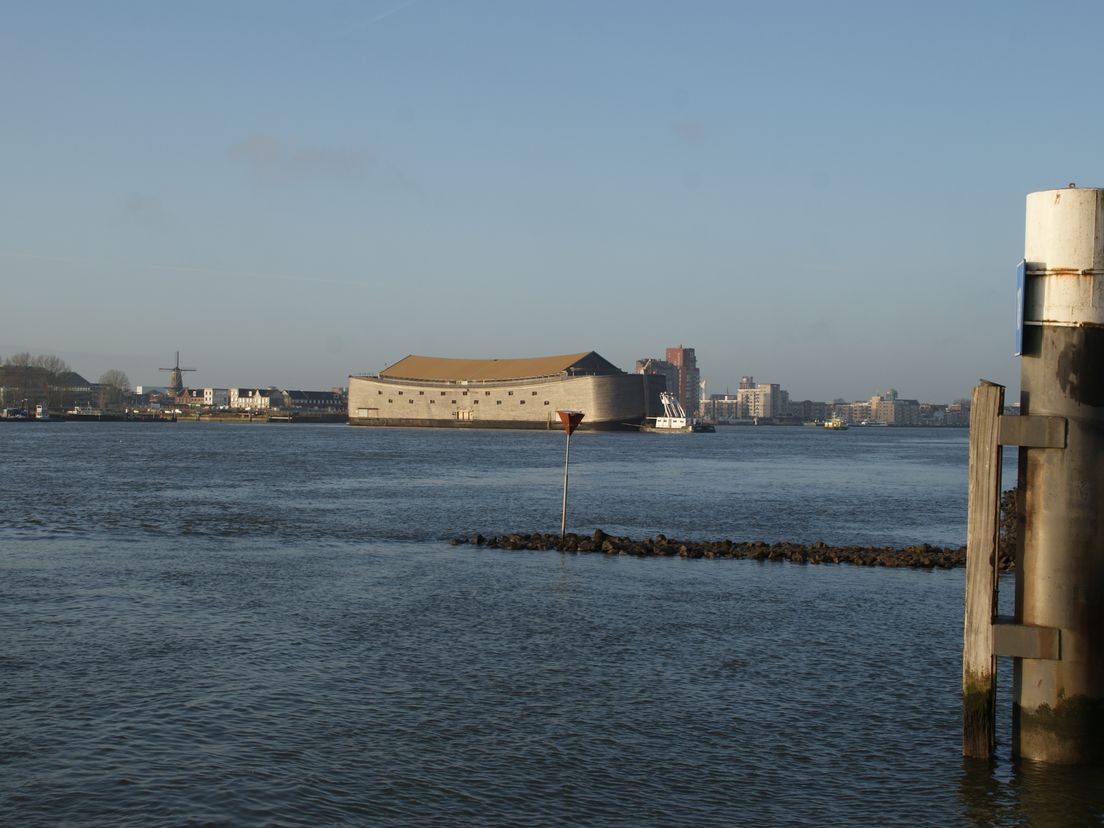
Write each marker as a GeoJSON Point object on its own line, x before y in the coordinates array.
{"type": "Point", "coordinates": [979, 665]}
{"type": "Point", "coordinates": [1058, 675]}
{"type": "Point", "coordinates": [570, 420]}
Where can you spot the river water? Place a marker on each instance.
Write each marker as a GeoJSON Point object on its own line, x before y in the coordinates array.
{"type": "Point", "coordinates": [264, 625]}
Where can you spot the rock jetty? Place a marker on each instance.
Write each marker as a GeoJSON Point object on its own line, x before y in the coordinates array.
{"type": "Point", "coordinates": [917, 557]}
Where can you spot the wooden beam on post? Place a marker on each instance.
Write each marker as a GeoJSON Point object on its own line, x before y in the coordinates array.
{"type": "Point", "coordinates": [1011, 638]}
{"type": "Point", "coordinates": [979, 664]}
{"type": "Point", "coordinates": [1033, 432]}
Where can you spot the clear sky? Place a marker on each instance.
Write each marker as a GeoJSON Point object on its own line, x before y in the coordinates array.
{"type": "Point", "coordinates": [825, 195]}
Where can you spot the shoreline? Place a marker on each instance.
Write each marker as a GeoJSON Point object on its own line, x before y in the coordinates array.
{"type": "Point", "coordinates": [922, 556]}
{"type": "Point", "coordinates": [181, 418]}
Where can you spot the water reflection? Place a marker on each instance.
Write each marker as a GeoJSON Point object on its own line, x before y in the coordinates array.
{"type": "Point", "coordinates": [1020, 792]}
{"type": "Point", "coordinates": [985, 799]}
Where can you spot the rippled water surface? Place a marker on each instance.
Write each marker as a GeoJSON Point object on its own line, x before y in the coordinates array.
{"type": "Point", "coordinates": [257, 625]}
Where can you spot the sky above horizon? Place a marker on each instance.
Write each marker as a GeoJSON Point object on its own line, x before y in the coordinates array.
{"type": "Point", "coordinates": [826, 196]}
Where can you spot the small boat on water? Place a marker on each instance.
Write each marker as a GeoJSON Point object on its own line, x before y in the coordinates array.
{"type": "Point", "coordinates": [674, 419]}
{"type": "Point", "coordinates": [835, 424]}
{"type": "Point", "coordinates": [39, 414]}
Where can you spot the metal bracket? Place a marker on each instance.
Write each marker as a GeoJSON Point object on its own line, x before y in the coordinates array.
{"type": "Point", "coordinates": [1032, 431]}
{"type": "Point", "coordinates": [1011, 638]}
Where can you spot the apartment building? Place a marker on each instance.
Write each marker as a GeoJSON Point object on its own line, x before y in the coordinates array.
{"type": "Point", "coordinates": [689, 377]}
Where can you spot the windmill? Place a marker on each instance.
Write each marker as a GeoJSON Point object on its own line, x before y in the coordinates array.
{"type": "Point", "coordinates": [176, 378]}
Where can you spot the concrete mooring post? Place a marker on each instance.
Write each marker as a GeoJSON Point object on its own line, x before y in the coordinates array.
{"type": "Point", "coordinates": [1058, 671]}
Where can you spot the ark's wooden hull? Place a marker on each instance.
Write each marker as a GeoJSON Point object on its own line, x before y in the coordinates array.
{"type": "Point", "coordinates": [609, 402]}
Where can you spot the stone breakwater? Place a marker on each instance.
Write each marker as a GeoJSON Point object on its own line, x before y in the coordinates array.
{"type": "Point", "coordinates": [917, 557]}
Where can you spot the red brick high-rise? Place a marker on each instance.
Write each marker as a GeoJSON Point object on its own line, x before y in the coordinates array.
{"type": "Point", "coordinates": [689, 378]}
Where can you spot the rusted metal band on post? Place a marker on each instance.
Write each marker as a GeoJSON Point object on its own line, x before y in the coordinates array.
{"type": "Point", "coordinates": [1058, 323]}
{"type": "Point", "coordinates": [1037, 269]}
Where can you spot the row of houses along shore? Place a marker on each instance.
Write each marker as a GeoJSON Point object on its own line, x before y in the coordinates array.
{"type": "Point", "coordinates": [248, 400]}
{"type": "Point", "coordinates": [25, 388]}
{"type": "Point", "coordinates": [768, 403]}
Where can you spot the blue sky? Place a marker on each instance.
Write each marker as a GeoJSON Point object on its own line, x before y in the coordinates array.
{"type": "Point", "coordinates": [825, 195]}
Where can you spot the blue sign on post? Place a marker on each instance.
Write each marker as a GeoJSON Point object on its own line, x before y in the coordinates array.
{"type": "Point", "coordinates": [1021, 277]}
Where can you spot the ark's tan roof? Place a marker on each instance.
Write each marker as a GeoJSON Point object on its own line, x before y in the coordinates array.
{"type": "Point", "coordinates": [440, 369]}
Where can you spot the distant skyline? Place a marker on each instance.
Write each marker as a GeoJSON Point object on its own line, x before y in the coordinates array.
{"type": "Point", "coordinates": [827, 196]}
{"type": "Point", "coordinates": [162, 383]}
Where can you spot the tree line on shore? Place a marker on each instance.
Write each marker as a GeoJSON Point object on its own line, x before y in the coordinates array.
{"type": "Point", "coordinates": [46, 378]}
